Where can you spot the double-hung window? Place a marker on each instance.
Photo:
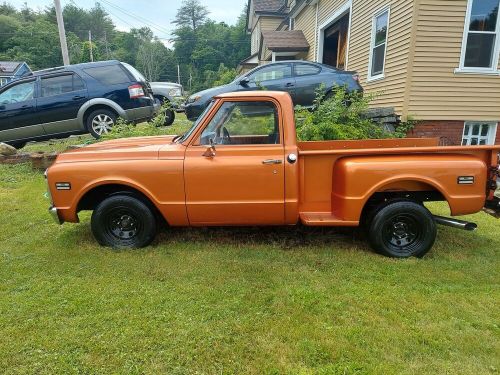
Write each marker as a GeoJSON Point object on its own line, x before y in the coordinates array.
{"type": "Point", "coordinates": [481, 41]}
{"type": "Point", "coordinates": [378, 48]}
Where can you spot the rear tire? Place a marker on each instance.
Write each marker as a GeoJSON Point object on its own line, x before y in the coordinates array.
{"type": "Point", "coordinates": [17, 145]}
{"type": "Point", "coordinates": [100, 122]}
{"type": "Point", "coordinates": [123, 222]}
{"type": "Point", "coordinates": [402, 229]}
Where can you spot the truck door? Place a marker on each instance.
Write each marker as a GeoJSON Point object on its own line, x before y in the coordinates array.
{"type": "Point", "coordinates": [240, 181]}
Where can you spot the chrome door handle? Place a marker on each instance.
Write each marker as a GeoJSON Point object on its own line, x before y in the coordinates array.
{"type": "Point", "coordinates": [272, 161]}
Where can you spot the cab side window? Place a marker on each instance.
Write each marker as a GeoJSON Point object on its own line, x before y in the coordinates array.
{"type": "Point", "coordinates": [243, 123]}
{"type": "Point", "coordinates": [52, 86]}
{"type": "Point", "coordinates": [19, 93]}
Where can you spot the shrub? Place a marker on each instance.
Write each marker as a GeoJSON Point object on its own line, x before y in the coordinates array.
{"type": "Point", "coordinates": [341, 116]}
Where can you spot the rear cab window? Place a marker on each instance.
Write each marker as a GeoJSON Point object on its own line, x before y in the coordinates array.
{"type": "Point", "coordinates": [109, 74]}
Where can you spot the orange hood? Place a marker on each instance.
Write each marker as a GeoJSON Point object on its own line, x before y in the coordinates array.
{"type": "Point", "coordinates": [140, 148]}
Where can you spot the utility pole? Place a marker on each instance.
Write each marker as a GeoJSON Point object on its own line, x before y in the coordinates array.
{"type": "Point", "coordinates": [106, 43]}
{"type": "Point", "coordinates": [62, 32]}
{"type": "Point", "coordinates": [178, 74]}
{"type": "Point", "coordinates": [90, 46]}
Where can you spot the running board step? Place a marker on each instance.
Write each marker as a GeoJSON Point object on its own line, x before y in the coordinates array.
{"type": "Point", "coordinates": [325, 219]}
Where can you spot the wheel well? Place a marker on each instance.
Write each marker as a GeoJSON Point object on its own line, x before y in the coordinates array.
{"type": "Point", "coordinates": [94, 108]}
{"type": "Point", "coordinates": [162, 98]}
{"type": "Point", "coordinates": [93, 197]}
{"type": "Point", "coordinates": [384, 197]}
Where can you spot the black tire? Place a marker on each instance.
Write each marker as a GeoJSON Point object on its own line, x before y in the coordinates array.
{"type": "Point", "coordinates": [402, 229]}
{"type": "Point", "coordinates": [169, 117]}
{"type": "Point", "coordinates": [123, 222]}
{"type": "Point", "coordinates": [169, 114]}
{"type": "Point", "coordinates": [100, 122]}
{"type": "Point", "coordinates": [17, 145]}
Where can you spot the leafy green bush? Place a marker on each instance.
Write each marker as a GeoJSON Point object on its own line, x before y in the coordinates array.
{"type": "Point", "coordinates": [154, 127]}
{"type": "Point", "coordinates": [341, 116]}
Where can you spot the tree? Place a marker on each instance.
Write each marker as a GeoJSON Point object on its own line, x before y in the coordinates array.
{"type": "Point", "coordinates": [9, 26]}
{"type": "Point", "coordinates": [85, 55]}
{"type": "Point", "coordinates": [151, 58]}
{"type": "Point", "coordinates": [191, 14]}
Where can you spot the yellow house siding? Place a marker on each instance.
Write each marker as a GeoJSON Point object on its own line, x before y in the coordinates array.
{"type": "Point", "coordinates": [391, 89]}
{"type": "Point", "coordinates": [256, 35]}
{"type": "Point", "coordinates": [306, 21]}
{"type": "Point", "coordinates": [269, 23]}
{"type": "Point", "coordinates": [436, 92]}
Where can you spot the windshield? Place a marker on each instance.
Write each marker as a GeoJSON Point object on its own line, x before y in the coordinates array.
{"type": "Point", "coordinates": [195, 124]}
{"type": "Point", "coordinates": [137, 75]}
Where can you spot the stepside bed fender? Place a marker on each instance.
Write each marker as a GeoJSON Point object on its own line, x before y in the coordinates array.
{"type": "Point", "coordinates": [357, 179]}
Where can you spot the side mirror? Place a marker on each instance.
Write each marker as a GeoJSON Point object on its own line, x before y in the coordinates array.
{"type": "Point", "coordinates": [244, 81]}
{"type": "Point", "coordinates": [210, 152]}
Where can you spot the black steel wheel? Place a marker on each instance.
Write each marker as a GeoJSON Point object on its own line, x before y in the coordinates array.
{"type": "Point", "coordinates": [123, 222]}
{"type": "Point", "coordinates": [402, 229]}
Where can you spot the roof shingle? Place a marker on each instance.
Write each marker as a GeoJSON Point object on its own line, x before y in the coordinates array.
{"type": "Point", "coordinates": [269, 5]}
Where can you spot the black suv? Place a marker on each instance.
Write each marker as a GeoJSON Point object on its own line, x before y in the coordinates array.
{"type": "Point", "coordinates": [75, 99]}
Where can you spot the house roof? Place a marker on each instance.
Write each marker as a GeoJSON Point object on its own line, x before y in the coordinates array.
{"type": "Point", "coordinates": [272, 6]}
{"type": "Point", "coordinates": [9, 67]}
{"type": "Point", "coordinates": [285, 41]}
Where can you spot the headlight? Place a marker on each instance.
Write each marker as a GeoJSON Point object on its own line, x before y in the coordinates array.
{"type": "Point", "coordinates": [175, 92]}
{"type": "Point", "coordinates": [194, 98]}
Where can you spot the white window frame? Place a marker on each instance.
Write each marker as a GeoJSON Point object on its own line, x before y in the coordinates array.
{"type": "Point", "coordinates": [386, 9]}
{"type": "Point", "coordinates": [493, 70]}
{"type": "Point", "coordinates": [492, 132]}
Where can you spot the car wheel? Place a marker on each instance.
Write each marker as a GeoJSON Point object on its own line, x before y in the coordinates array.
{"type": "Point", "coordinates": [402, 229]}
{"type": "Point", "coordinates": [17, 145]}
{"type": "Point", "coordinates": [169, 113]}
{"type": "Point", "coordinates": [123, 222]}
{"type": "Point", "coordinates": [169, 117]}
{"type": "Point", "coordinates": [100, 122]}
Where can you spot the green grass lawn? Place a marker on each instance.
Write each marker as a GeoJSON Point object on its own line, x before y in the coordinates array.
{"type": "Point", "coordinates": [247, 301]}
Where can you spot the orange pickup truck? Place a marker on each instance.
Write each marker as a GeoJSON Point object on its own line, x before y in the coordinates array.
{"type": "Point", "coordinates": [241, 164]}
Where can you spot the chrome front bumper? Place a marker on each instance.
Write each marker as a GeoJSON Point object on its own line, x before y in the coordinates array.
{"type": "Point", "coordinates": [55, 215]}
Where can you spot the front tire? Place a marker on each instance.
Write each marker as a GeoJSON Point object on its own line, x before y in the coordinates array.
{"type": "Point", "coordinates": [169, 113]}
{"type": "Point", "coordinates": [402, 230]}
{"type": "Point", "coordinates": [100, 122]}
{"type": "Point", "coordinates": [169, 117]}
{"type": "Point", "coordinates": [123, 222]}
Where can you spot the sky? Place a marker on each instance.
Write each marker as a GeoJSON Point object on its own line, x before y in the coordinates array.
{"type": "Point", "coordinates": [159, 13]}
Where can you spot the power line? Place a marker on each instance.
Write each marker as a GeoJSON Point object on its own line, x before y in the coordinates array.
{"type": "Point", "coordinates": [137, 17]}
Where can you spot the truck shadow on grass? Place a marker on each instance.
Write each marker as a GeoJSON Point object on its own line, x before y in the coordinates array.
{"type": "Point", "coordinates": [286, 238]}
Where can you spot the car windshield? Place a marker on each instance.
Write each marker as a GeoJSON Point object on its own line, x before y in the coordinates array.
{"type": "Point", "coordinates": [195, 125]}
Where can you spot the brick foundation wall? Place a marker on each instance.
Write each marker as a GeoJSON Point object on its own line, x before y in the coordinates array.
{"type": "Point", "coordinates": [448, 132]}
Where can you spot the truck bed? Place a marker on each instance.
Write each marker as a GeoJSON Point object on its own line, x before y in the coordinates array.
{"type": "Point", "coordinates": [326, 192]}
